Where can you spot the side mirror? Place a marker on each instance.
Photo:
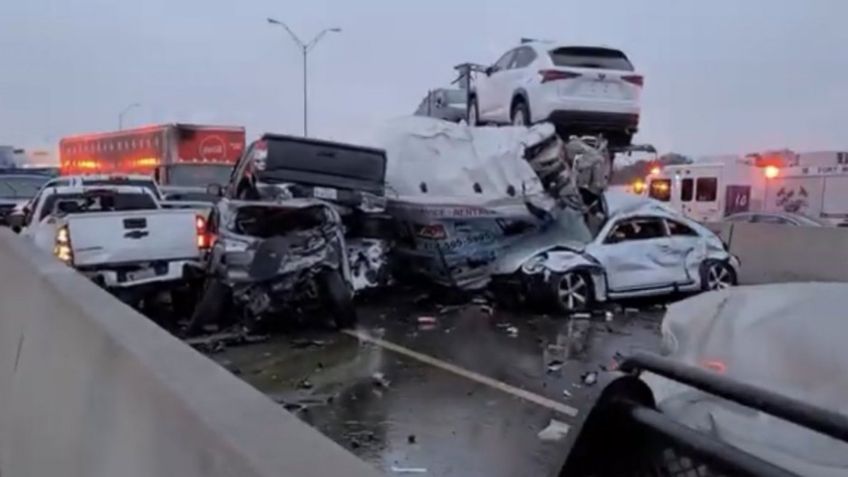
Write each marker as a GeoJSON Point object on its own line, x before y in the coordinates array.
{"type": "Point", "coordinates": [215, 190]}
{"type": "Point", "coordinates": [490, 70]}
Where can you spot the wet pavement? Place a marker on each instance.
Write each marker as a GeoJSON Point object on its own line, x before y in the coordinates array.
{"type": "Point", "coordinates": [445, 391]}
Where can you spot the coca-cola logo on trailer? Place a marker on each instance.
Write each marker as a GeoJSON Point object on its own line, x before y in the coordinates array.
{"type": "Point", "coordinates": [213, 149]}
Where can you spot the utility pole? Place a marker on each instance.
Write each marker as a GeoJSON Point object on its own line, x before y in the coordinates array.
{"type": "Point", "coordinates": [122, 113]}
{"type": "Point", "coordinates": [305, 48]}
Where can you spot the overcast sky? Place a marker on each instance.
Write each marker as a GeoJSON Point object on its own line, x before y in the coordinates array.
{"type": "Point", "coordinates": [721, 75]}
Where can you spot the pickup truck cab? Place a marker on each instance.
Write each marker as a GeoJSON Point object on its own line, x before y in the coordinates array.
{"type": "Point", "coordinates": [118, 236]}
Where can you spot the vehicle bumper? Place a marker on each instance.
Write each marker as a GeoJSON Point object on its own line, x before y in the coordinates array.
{"type": "Point", "coordinates": [627, 123]}
{"type": "Point", "coordinates": [165, 275]}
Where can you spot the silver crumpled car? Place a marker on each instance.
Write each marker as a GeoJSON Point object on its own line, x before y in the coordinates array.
{"type": "Point", "coordinates": [643, 249]}
{"type": "Point", "coordinates": [275, 259]}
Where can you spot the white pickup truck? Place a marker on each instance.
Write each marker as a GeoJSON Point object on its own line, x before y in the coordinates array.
{"type": "Point", "coordinates": [119, 236]}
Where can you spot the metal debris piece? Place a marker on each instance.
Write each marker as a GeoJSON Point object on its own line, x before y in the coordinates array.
{"type": "Point", "coordinates": [512, 331]}
{"type": "Point", "coordinates": [566, 393]}
{"type": "Point", "coordinates": [303, 384]}
{"type": "Point", "coordinates": [554, 366]}
{"type": "Point", "coordinates": [409, 470]}
{"type": "Point", "coordinates": [555, 431]}
{"type": "Point", "coordinates": [427, 320]}
{"type": "Point", "coordinates": [589, 378]}
{"type": "Point", "coordinates": [487, 310]}
{"type": "Point", "coordinates": [300, 343]}
{"type": "Point", "coordinates": [379, 380]}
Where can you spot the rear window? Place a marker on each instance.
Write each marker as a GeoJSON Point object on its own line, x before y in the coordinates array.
{"type": "Point", "coordinates": [266, 222]}
{"type": "Point", "coordinates": [326, 164]}
{"type": "Point", "coordinates": [147, 184]}
{"type": "Point", "coordinates": [586, 57]}
{"type": "Point", "coordinates": [96, 202]}
{"type": "Point", "coordinates": [706, 189]}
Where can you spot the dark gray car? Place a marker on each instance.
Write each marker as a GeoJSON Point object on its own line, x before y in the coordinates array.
{"type": "Point", "coordinates": [275, 259]}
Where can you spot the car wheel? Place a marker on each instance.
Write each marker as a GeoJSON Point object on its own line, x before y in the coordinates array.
{"type": "Point", "coordinates": [473, 112]}
{"type": "Point", "coordinates": [572, 291]}
{"type": "Point", "coordinates": [520, 114]}
{"type": "Point", "coordinates": [338, 299]}
{"type": "Point", "coordinates": [717, 275]}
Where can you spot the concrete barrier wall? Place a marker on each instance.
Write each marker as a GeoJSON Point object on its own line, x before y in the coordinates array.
{"type": "Point", "coordinates": [772, 253]}
{"type": "Point", "coordinates": [88, 387]}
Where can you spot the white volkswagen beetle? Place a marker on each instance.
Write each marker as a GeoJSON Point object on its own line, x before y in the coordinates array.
{"type": "Point", "coordinates": [643, 249]}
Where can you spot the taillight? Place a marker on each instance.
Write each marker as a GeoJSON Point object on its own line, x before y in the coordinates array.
{"type": "Point", "coordinates": [204, 238]}
{"type": "Point", "coordinates": [62, 248]}
{"type": "Point", "coordinates": [553, 75]}
{"type": "Point", "coordinates": [634, 79]}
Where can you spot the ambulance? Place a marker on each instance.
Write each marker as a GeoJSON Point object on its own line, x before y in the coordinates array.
{"type": "Point", "coordinates": [711, 191]}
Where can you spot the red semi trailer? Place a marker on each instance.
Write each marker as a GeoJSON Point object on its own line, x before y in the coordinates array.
{"type": "Point", "coordinates": [183, 155]}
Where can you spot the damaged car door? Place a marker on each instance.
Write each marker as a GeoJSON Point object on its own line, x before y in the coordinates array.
{"type": "Point", "coordinates": [637, 255]}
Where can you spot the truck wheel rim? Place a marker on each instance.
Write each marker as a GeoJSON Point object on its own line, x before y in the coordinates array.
{"type": "Point", "coordinates": [573, 291]}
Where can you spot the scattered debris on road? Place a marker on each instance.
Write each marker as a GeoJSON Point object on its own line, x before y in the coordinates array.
{"type": "Point", "coordinates": [379, 380]}
{"type": "Point", "coordinates": [512, 331]}
{"type": "Point", "coordinates": [555, 431]}
{"type": "Point", "coordinates": [589, 378]}
{"type": "Point", "coordinates": [304, 384]}
{"type": "Point", "coordinates": [566, 393]}
{"type": "Point", "coordinates": [410, 439]}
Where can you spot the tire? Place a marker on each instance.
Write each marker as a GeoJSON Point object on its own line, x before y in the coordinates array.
{"type": "Point", "coordinates": [520, 114]}
{"type": "Point", "coordinates": [214, 299]}
{"type": "Point", "coordinates": [716, 275]}
{"type": "Point", "coordinates": [338, 298]}
{"type": "Point", "coordinates": [473, 112]}
{"type": "Point", "coordinates": [572, 291]}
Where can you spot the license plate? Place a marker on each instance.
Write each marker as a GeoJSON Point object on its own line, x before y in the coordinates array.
{"type": "Point", "coordinates": [325, 193]}
{"type": "Point", "coordinates": [141, 274]}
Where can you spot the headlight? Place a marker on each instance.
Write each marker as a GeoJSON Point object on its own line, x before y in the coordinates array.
{"type": "Point", "coordinates": [535, 264]}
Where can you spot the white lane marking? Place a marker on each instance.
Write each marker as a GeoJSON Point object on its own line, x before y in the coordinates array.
{"type": "Point", "coordinates": [492, 383]}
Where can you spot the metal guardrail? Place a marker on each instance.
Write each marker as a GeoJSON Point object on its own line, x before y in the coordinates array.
{"type": "Point", "coordinates": [625, 434]}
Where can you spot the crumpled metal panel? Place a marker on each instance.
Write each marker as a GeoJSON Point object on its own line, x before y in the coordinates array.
{"type": "Point", "coordinates": [369, 263]}
{"type": "Point", "coordinates": [473, 202]}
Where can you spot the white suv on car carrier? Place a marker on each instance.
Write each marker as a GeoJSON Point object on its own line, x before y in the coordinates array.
{"type": "Point", "coordinates": [581, 89]}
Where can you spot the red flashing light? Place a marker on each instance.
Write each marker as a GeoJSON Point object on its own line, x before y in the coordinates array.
{"type": "Point", "coordinates": [204, 238]}
{"type": "Point", "coordinates": [771, 172]}
{"type": "Point", "coordinates": [553, 75]}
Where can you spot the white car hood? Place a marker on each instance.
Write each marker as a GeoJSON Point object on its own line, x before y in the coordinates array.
{"type": "Point", "coordinates": [787, 338]}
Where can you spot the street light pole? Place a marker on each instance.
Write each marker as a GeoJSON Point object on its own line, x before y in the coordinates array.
{"type": "Point", "coordinates": [122, 113]}
{"type": "Point", "coordinates": [305, 48]}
